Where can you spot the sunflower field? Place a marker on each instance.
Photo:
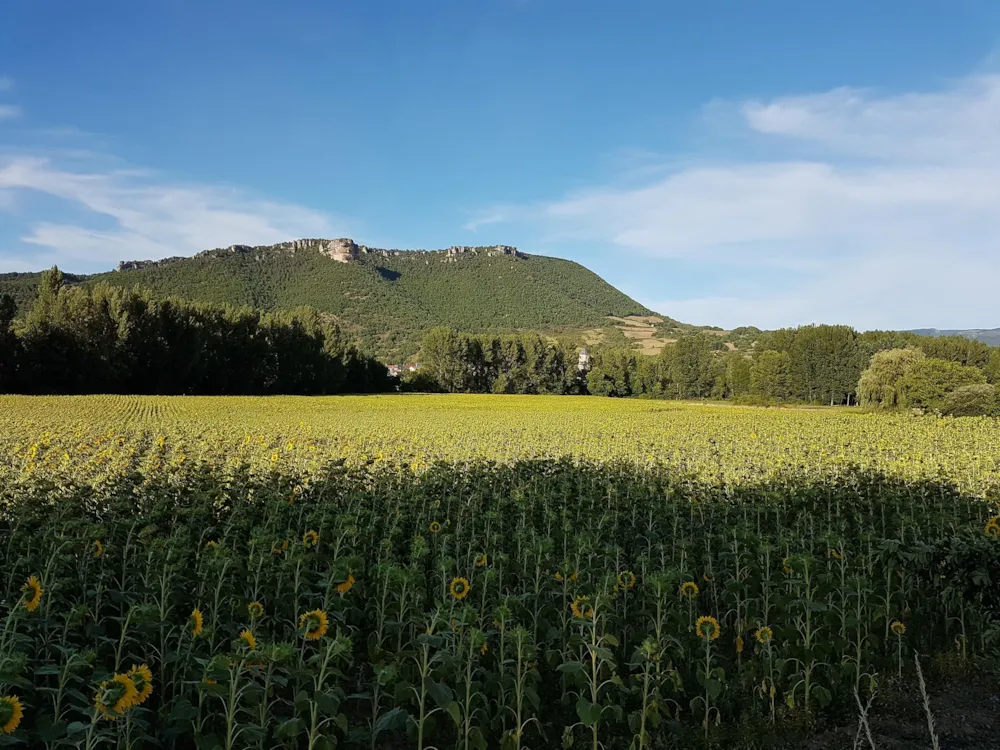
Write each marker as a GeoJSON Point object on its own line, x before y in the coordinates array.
{"type": "Point", "coordinates": [481, 572]}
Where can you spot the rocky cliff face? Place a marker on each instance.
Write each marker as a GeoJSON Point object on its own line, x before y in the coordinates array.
{"type": "Point", "coordinates": [131, 265]}
{"type": "Point", "coordinates": [342, 250]}
{"type": "Point", "coordinates": [491, 250]}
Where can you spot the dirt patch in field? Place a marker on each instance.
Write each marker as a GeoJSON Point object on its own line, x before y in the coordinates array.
{"type": "Point", "coordinates": [641, 329]}
{"type": "Point", "coordinates": [966, 717]}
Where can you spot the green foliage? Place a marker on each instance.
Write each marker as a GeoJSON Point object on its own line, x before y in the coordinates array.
{"type": "Point", "coordinates": [878, 385]}
{"type": "Point", "coordinates": [102, 339]}
{"type": "Point", "coordinates": [503, 363]}
{"type": "Point", "coordinates": [739, 377]}
{"type": "Point", "coordinates": [769, 375]}
{"type": "Point", "coordinates": [614, 373]}
{"type": "Point", "coordinates": [927, 383]}
{"type": "Point", "coordinates": [979, 400]}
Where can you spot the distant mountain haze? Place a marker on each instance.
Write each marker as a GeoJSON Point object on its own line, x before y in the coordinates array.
{"type": "Point", "coordinates": [989, 336]}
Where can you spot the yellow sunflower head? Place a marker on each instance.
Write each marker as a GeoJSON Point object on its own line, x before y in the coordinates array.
{"type": "Point", "coordinates": [786, 566]}
{"type": "Point", "coordinates": [836, 554]}
{"type": "Point", "coordinates": [115, 696]}
{"type": "Point", "coordinates": [459, 588]}
{"type": "Point", "coordinates": [626, 580]}
{"type": "Point", "coordinates": [10, 713]}
{"type": "Point", "coordinates": [689, 590]}
{"type": "Point", "coordinates": [314, 624]}
{"type": "Point", "coordinates": [739, 644]}
{"type": "Point", "coordinates": [992, 529]}
{"type": "Point", "coordinates": [707, 628]}
{"type": "Point", "coordinates": [142, 678]}
{"type": "Point", "coordinates": [33, 591]}
{"type": "Point", "coordinates": [197, 622]}
{"type": "Point", "coordinates": [310, 538]}
{"type": "Point", "coordinates": [346, 586]}
{"type": "Point", "coordinates": [764, 634]}
{"type": "Point", "coordinates": [434, 528]}
{"type": "Point", "coordinates": [559, 576]}
{"type": "Point", "coordinates": [98, 548]}
{"type": "Point", "coordinates": [580, 607]}
{"type": "Point", "coordinates": [255, 610]}
{"type": "Point", "coordinates": [249, 639]}
{"type": "Point", "coordinates": [481, 560]}
{"type": "Point", "coordinates": [898, 628]}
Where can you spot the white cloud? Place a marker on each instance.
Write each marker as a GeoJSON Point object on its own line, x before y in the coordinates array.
{"type": "Point", "coordinates": [9, 111]}
{"type": "Point", "coordinates": [892, 219]}
{"type": "Point", "coordinates": [6, 83]}
{"type": "Point", "coordinates": [141, 216]}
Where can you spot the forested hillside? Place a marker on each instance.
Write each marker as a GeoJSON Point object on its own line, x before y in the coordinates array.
{"type": "Point", "coordinates": [387, 300]}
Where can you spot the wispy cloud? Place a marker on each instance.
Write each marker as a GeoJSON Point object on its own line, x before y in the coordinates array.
{"type": "Point", "coordinates": [128, 213]}
{"type": "Point", "coordinates": [9, 111]}
{"type": "Point", "coordinates": [883, 213]}
{"type": "Point", "coordinates": [6, 83]}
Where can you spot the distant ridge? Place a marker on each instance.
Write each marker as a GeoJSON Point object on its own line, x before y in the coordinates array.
{"type": "Point", "coordinates": [989, 336]}
{"type": "Point", "coordinates": [388, 299]}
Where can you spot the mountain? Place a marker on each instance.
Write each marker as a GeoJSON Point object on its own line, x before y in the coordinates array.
{"type": "Point", "coordinates": [388, 299]}
{"type": "Point", "coordinates": [989, 336]}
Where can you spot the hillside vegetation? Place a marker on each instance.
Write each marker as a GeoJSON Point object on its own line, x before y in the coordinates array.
{"type": "Point", "coordinates": [386, 299]}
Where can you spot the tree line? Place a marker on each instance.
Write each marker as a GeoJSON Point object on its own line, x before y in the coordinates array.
{"type": "Point", "coordinates": [457, 362]}
{"type": "Point", "coordinates": [820, 364]}
{"type": "Point", "coordinates": [103, 339]}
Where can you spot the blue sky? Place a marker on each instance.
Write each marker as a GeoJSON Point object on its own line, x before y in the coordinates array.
{"type": "Point", "coordinates": [730, 163]}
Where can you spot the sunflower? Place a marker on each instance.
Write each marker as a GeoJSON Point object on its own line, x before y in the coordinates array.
{"type": "Point", "coordinates": [581, 608]}
{"type": "Point", "coordinates": [35, 587]}
{"type": "Point", "coordinates": [484, 648]}
{"type": "Point", "coordinates": [626, 580]}
{"type": "Point", "coordinates": [574, 575]}
{"type": "Point", "coordinates": [314, 624]}
{"type": "Point", "coordinates": [481, 560]}
{"type": "Point", "coordinates": [459, 588]}
{"type": "Point", "coordinates": [785, 566]}
{"type": "Point", "coordinates": [836, 554]}
{"type": "Point", "coordinates": [115, 696]}
{"type": "Point", "coordinates": [346, 586]}
{"type": "Point", "coordinates": [142, 678]}
{"type": "Point", "coordinates": [739, 644]}
{"type": "Point", "coordinates": [10, 713]}
{"type": "Point", "coordinates": [707, 627]}
{"type": "Point", "coordinates": [197, 622]}
{"type": "Point", "coordinates": [992, 529]}
{"type": "Point", "coordinates": [689, 590]}
{"type": "Point", "coordinates": [310, 538]}
{"type": "Point", "coordinates": [764, 634]}
{"type": "Point", "coordinates": [559, 576]}
{"type": "Point", "coordinates": [98, 548]}
{"type": "Point", "coordinates": [278, 547]}
{"type": "Point", "coordinates": [898, 628]}
{"type": "Point", "coordinates": [255, 610]}
{"type": "Point", "coordinates": [249, 639]}
{"type": "Point", "coordinates": [435, 527]}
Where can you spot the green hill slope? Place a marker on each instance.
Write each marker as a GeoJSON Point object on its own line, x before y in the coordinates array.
{"type": "Point", "coordinates": [387, 299]}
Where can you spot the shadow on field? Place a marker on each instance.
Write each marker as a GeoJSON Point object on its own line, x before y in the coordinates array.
{"type": "Point", "coordinates": [603, 603]}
